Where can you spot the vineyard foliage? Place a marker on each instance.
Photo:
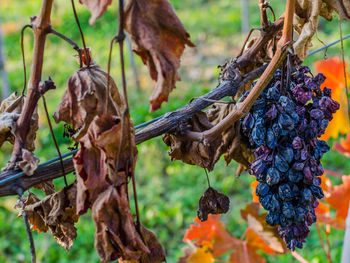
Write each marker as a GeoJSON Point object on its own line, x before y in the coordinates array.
{"type": "Point", "coordinates": [94, 113]}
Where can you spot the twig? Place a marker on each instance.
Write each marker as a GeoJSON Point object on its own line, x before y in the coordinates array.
{"type": "Point", "coordinates": [5, 81]}
{"type": "Point", "coordinates": [263, 16]}
{"type": "Point", "coordinates": [298, 257]}
{"type": "Point", "coordinates": [41, 26]}
{"type": "Point", "coordinates": [206, 173]}
{"type": "Point", "coordinates": [323, 244]}
{"type": "Point", "coordinates": [246, 40]}
{"type": "Point", "coordinates": [68, 40]}
{"type": "Point", "coordinates": [54, 138]}
{"type": "Point", "coordinates": [344, 67]}
{"type": "Point", "coordinates": [24, 59]}
{"type": "Point", "coordinates": [213, 101]}
{"type": "Point", "coordinates": [81, 34]}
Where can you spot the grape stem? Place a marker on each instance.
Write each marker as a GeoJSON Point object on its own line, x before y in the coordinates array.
{"type": "Point", "coordinates": [242, 108]}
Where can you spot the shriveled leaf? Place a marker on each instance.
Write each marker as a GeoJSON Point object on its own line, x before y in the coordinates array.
{"type": "Point", "coordinates": [344, 146]}
{"type": "Point", "coordinates": [306, 22]}
{"type": "Point", "coordinates": [339, 198]}
{"type": "Point", "coordinates": [342, 7]}
{"type": "Point", "coordinates": [332, 68]}
{"type": "Point", "coordinates": [10, 110]}
{"type": "Point", "coordinates": [116, 235]}
{"type": "Point", "coordinates": [85, 98]}
{"type": "Point", "coordinates": [193, 152]}
{"type": "Point", "coordinates": [47, 187]}
{"type": "Point", "coordinates": [212, 202]}
{"type": "Point", "coordinates": [258, 224]}
{"type": "Point", "coordinates": [96, 7]}
{"type": "Point", "coordinates": [29, 162]}
{"type": "Point", "coordinates": [159, 38]}
{"type": "Point", "coordinates": [57, 213]}
{"type": "Point", "coordinates": [232, 145]}
{"type": "Point", "coordinates": [201, 255]}
{"type": "Point", "coordinates": [102, 149]}
{"type": "Point", "coordinates": [211, 231]}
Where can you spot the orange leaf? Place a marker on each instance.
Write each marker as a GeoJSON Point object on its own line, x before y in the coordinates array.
{"type": "Point", "coordinates": [333, 69]}
{"type": "Point", "coordinates": [322, 209]}
{"type": "Point", "coordinates": [253, 186]}
{"type": "Point", "coordinates": [244, 253]}
{"type": "Point", "coordinates": [339, 198]}
{"type": "Point", "coordinates": [201, 255]}
{"type": "Point", "coordinates": [344, 146]}
{"type": "Point", "coordinates": [258, 224]}
{"type": "Point", "coordinates": [257, 242]}
{"type": "Point", "coordinates": [212, 231]}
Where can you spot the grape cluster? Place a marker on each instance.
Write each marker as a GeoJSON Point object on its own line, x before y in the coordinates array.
{"type": "Point", "coordinates": [283, 126]}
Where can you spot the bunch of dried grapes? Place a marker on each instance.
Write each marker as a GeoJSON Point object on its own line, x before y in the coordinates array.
{"type": "Point", "coordinates": [283, 126]}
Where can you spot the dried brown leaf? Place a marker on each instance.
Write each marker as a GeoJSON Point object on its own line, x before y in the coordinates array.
{"type": "Point", "coordinates": [159, 38]}
{"type": "Point", "coordinates": [193, 152]}
{"type": "Point", "coordinates": [57, 213]}
{"type": "Point", "coordinates": [96, 7]}
{"type": "Point", "coordinates": [28, 163]}
{"type": "Point", "coordinates": [47, 187]}
{"type": "Point", "coordinates": [85, 98]}
{"type": "Point", "coordinates": [116, 235]}
{"type": "Point", "coordinates": [306, 20]}
{"type": "Point", "coordinates": [342, 7]}
{"type": "Point", "coordinates": [231, 143]}
{"type": "Point", "coordinates": [212, 202]}
{"type": "Point", "coordinates": [10, 110]}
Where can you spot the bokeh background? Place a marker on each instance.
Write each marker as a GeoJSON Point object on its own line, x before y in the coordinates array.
{"type": "Point", "coordinates": [168, 191]}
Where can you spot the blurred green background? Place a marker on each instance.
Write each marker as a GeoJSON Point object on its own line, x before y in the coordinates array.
{"type": "Point", "coordinates": [168, 191]}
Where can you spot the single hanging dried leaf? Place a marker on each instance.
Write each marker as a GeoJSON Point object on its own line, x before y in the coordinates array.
{"type": "Point", "coordinates": [96, 7]}
{"type": "Point", "coordinates": [57, 213]}
{"type": "Point", "coordinates": [10, 110]}
{"type": "Point", "coordinates": [212, 202]}
{"type": "Point", "coordinates": [159, 38]}
{"type": "Point", "coordinates": [85, 98]}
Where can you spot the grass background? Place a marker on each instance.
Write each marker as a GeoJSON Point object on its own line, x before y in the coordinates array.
{"type": "Point", "coordinates": [168, 191]}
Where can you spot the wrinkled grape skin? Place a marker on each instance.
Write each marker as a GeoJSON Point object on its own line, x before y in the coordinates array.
{"type": "Point", "coordinates": [283, 128]}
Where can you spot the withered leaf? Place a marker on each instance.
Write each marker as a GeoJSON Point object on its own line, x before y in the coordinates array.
{"type": "Point", "coordinates": [47, 187]}
{"type": "Point", "coordinates": [230, 143]}
{"type": "Point", "coordinates": [10, 111]}
{"type": "Point", "coordinates": [28, 163]}
{"type": "Point", "coordinates": [96, 7]}
{"type": "Point", "coordinates": [306, 20]}
{"type": "Point", "coordinates": [193, 152]}
{"type": "Point", "coordinates": [212, 202]}
{"type": "Point", "coordinates": [342, 7]}
{"type": "Point", "coordinates": [234, 145]}
{"type": "Point", "coordinates": [156, 255]}
{"type": "Point", "coordinates": [159, 38]}
{"type": "Point", "coordinates": [85, 98]}
{"type": "Point", "coordinates": [56, 212]}
{"type": "Point", "coordinates": [116, 235]}
{"type": "Point", "coordinates": [103, 149]}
